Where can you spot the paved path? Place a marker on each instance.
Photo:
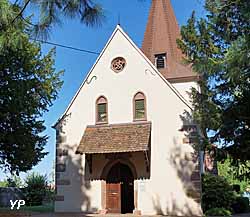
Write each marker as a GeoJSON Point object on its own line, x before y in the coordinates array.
{"type": "Point", "coordinates": [114, 215]}
{"type": "Point", "coordinates": [87, 215]}
{"type": "Point", "coordinates": [21, 214]}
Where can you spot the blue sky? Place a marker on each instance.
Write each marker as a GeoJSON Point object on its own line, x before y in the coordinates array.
{"type": "Point", "coordinates": [133, 19]}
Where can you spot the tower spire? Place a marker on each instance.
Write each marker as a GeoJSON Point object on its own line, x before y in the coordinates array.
{"type": "Point", "coordinates": [160, 38]}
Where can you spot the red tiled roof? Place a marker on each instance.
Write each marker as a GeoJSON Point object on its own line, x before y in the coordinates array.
{"type": "Point", "coordinates": [115, 138]}
{"type": "Point", "coordinates": [160, 36]}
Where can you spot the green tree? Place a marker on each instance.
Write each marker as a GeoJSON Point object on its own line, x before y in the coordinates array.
{"type": "Point", "coordinates": [3, 183]}
{"type": "Point", "coordinates": [227, 170]}
{"type": "Point", "coordinates": [88, 12]}
{"type": "Point", "coordinates": [14, 181]}
{"type": "Point", "coordinates": [28, 86]}
{"type": "Point", "coordinates": [218, 48]}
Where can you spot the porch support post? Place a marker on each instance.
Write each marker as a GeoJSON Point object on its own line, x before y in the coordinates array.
{"type": "Point", "coordinates": [146, 160]}
{"type": "Point", "coordinates": [103, 198]}
{"type": "Point", "coordinates": [136, 211]}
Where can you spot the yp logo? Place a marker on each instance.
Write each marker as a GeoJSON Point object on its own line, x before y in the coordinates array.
{"type": "Point", "coordinates": [19, 203]}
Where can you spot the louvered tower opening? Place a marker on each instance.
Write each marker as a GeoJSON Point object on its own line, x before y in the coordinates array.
{"type": "Point", "coordinates": [160, 61]}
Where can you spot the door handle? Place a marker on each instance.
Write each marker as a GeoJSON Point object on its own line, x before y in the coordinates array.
{"type": "Point", "coordinates": [114, 193]}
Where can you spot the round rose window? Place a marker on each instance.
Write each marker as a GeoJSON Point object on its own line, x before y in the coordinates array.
{"type": "Point", "coordinates": [118, 64]}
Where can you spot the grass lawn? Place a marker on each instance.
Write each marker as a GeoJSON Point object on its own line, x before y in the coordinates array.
{"type": "Point", "coordinates": [41, 209]}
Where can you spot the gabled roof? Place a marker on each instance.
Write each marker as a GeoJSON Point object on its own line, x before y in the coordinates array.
{"type": "Point", "coordinates": [120, 30]}
{"type": "Point", "coordinates": [115, 138]}
{"type": "Point", "coordinates": [160, 36]}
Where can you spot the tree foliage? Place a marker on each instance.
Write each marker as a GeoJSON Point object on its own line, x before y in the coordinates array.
{"type": "Point", "coordinates": [28, 86]}
{"type": "Point", "coordinates": [216, 192]}
{"type": "Point", "coordinates": [13, 181]}
{"type": "Point", "coordinates": [228, 171]}
{"type": "Point", "coordinates": [52, 12]}
{"type": "Point", "coordinates": [218, 47]}
{"type": "Point", "coordinates": [3, 183]}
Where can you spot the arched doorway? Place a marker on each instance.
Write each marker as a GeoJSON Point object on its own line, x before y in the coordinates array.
{"type": "Point", "coordinates": [120, 189]}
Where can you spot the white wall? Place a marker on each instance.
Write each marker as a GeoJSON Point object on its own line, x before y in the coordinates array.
{"type": "Point", "coordinates": [185, 89]}
{"type": "Point", "coordinates": [163, 109]}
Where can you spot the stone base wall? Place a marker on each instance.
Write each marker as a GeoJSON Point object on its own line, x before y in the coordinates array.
{"type": "Point", "coordinates": [10, 193]}
{"type": "Point", "coordinates": [15, 214]}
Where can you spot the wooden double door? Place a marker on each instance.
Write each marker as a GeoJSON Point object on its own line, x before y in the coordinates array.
{"type": "Point", "coordinates": [120, 189]}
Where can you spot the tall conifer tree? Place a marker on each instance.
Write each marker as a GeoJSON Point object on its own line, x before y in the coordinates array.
{"type": "Point", "coordinates": [218, 47]}
{"type": "Point", "coordinates": [29, 84]}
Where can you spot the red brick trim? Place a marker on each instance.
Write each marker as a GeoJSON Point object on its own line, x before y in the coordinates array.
{"type": "Point", "coordinates": [183, 79]}
{"type": "Point", "coordinates": [195, 176]}
{"type": "Point", "coordinates": [59, 198]}
{"type": "Point", "coordinates": [197, 185]}
{"type": "Point", "coordinates": [61, 152]}
{"type": "Point", "coordinates": [60, 167]}
{"type": "Point", "coordinates": [193, 193]}
{"type": "Point", "coordinates": [63, 182]}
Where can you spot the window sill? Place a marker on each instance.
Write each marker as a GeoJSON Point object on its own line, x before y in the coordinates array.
{"type": "Point", "coordinates": [138, 120]}
{"type": "Point", "coordinates": [101, 123]}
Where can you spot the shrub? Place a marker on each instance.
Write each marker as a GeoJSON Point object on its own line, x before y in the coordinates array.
{"type": "Point", "coordinates": [236, 188]}
{"type": "Point", "coordinates": [14, 181]}
{"type": "Point", "coordinates": [218, 212]}
{"type": "Point", "coordinates": [216, 192]}
{"type": "Point", "coordinates": [241, 205]}
{"type": "Point", "coordinates": [50, 195]}
{"type": "Point", "coordinates": [36, 188]}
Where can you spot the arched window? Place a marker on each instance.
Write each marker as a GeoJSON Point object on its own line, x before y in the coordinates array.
{"type": "Point", "coordinates": [139, 104]}
{"type": "Point", "coordinates": [101, 110]}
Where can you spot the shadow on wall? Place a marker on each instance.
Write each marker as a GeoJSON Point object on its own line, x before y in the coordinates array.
{"type": "Point", "coordinates": [98, 166]}
{"type": "Point", "coordinates": [157, 206]}
{"type": "Point", "coordinates": [175, 209]}
{"type": "Point", "coordinates": [179, 204]}
{"type": "Point", "coordinates": [72, 184]}
{"type": "Point", "coordinates": [184, 161]}
{"type": "Point", "coordinates": [191, 130]}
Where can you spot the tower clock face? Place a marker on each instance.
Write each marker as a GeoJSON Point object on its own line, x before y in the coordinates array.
{"type": "Point", "coordinates": [118, 64]}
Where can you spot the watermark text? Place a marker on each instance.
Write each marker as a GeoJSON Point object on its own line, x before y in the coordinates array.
{"type": "Point", "coordinates": [19, 203]}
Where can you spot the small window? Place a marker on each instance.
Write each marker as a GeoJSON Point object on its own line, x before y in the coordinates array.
{"type": "Point", "coordinates": [118, 64]}
{"type": "Point", "coordinates": [160, 61]}
{"type": "Point", "coordinates": [139, 107]}
{"type": "Point", "coordinates": [101, 110]}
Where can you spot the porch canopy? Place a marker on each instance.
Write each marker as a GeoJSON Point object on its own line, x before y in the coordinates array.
{"type": "Point", "coordinates": [115, 138]}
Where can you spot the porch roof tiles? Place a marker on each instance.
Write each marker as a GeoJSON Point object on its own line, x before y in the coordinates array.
{"type": "Point", "coordinates": [131, 137]}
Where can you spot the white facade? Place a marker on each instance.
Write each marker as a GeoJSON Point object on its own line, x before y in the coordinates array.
{"type": "Point", "coordinates": [163, 192]}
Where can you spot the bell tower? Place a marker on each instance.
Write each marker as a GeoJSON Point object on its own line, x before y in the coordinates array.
{"type": "Point", "coordinates": [159, 43]}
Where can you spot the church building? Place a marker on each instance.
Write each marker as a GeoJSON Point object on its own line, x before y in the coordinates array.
{"type": "Point", "coordinates": [125, 144]}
